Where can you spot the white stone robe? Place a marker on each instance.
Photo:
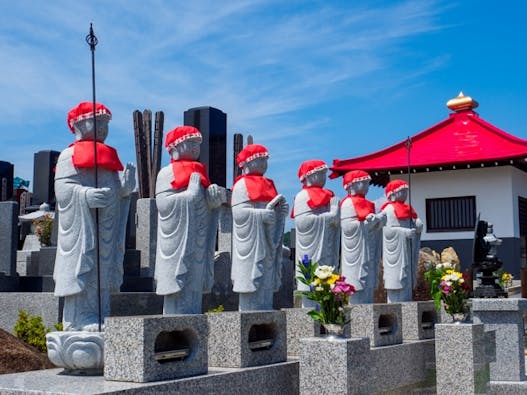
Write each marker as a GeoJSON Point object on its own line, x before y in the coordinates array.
{"type": "Point", "coordinates": [75, 264]}
{"type": "Point", "coordinates": [400, 252]}
{"type": "Point", "coordinates": [256, 245]}
{"type": "Point", "coordinates": [317, 233]}
{"type": "Point", "coordinates": [361, 247]}
{"type": "Point", "coordinates": [186, 237]}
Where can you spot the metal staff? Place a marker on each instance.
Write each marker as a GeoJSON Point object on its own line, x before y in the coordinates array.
{"type": "Point", "coordinates": [408, 149]}
{"type": "Point", "coordinates": [92, 42]}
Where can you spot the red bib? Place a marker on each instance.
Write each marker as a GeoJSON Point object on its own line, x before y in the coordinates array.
{"type": "Point", "coordinates": [182, 169]}
{"type": "Point", "coordinates": [83, 156]}
{"type": "Point", "coordinates": [259, 188]}
{"type": "Point", "coordinates": [318, 197]}
{"type": "Point", "coordinates": [362, 206]}
{"type": "Point", "coordinates": [402, 210]}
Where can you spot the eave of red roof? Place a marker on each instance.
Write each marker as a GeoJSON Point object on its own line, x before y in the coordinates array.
{"type": "Point", "coordinates": [461, 139]}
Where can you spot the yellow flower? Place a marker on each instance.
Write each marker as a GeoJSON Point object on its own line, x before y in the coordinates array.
{"type": "Point", "coordinates": [332, 279]}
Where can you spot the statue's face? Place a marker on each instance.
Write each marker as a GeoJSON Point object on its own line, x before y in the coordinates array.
{"type": "Point", "coordinates": [257, 166]}
{"type": "Point", "coordinates": [359, 187]}
{"type": "Point", "coordinates": [187, 150]}
{"type": "Point", "coordinates": [316, 179]}
{"type": "Point", "coordinates": [399, 196]}
{"type": "Point", "coordinates": [84, 129]}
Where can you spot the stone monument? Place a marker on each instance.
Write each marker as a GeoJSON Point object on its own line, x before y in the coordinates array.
{"type": "Point", "coordinates": [91, 201]}
{"type": "Point", "coordinates": [401, 241]}
{"type": "Point", "coordinates": [316, 214]}
{"type": "Point", "coordinates": [361, 237]}
{"type": "Point", "coordinates": [188, 206]}
{"type": "Point", "coordinates": [258, 213]}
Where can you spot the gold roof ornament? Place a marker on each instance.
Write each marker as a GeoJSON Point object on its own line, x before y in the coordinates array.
{"type": "Point", "coordinates": [461, 102]}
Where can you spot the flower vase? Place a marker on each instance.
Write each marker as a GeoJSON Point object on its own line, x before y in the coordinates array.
{"type": "Point", "coordinates": [459, 318]}
{"type": "Point", "coordinates": [334, 331]}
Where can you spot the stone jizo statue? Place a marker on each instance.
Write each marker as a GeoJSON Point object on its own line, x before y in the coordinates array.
{"type": "Point", "coordinates": [316, 214]}
{"type": "Point", "coordinates": [79, 195]}
{"type": "Point", "coordinates": [188, 212]}
{"type": "Point", "coordinates": [361, 237]}
{"type": "Point", "coordinates": [401, 242]}
{"type": "Point", "coordinates": [258, 213]}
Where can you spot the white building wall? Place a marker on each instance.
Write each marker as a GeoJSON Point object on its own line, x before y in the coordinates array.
{"type": "Point", "coordinates": [496, 190]}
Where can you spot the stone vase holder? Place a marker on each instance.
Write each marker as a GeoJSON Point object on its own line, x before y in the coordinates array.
{"type": "Point", "coordinates": [79, 353]}
{"type": "Point", "coordinates": [419, 320]}
{"type": "Point", "coordinates": [159, 347]}
{"type": "Point", "coordinates": [381, 322]}
{"type": "Point", "coordinates": [241, 339]}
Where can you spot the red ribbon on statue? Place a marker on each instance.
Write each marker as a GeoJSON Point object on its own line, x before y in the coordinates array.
{"type": "Point", "coordinates": [318, 197]}
{"type": "Point", "coordinates": [402, 210]}
{"type": "Point", "coordinates": [83, 156]}
{"type": "Point", "coordinates": [183, 169]}
{"type": "Point", "coordinates": [363, 207]}
{"type": "Point", "coordinates": [259, 188]}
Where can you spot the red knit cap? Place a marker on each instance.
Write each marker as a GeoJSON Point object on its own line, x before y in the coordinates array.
{"type": "Point", "coordinates": [180, 134]}
{"type": "Point", "coordinates": [394, 186]}
{"type": "Point", "coordinates": [251, 152]}
{"type": "Point", "coordinates": [85, 111]}
{"type": "Point", "coordinates": [354, 176]}
{"type": "Point", "coordinates": [309, 167]}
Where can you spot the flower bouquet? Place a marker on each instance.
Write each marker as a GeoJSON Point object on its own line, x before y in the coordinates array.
{"type": "Point", "coordinates": [449, 286]}
{"type": "Point", "coordinates": [504, 279]}
{"type": "Point", "coordinates": [329, 290]}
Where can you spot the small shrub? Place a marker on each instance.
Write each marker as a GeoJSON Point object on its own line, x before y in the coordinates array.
{"type": "Point", "coordinates": [31, 329]}
{"type": "Point", "coordinates": [43, 229]}
{"type": "Point", "coordinates": [218, 309]}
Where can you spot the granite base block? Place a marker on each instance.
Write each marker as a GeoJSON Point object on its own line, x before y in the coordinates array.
{"type": "Point", "coordinates": [380, 322]}
{"type": "Point", "coordinates": [43, 304]}
{"type": "Point", "coordinates": [505, 317]}
{"type": "Point", "coordinates": [336, 366]}
{"type": "Point", "coordinates": [299, 325]}
{"type": "Point", "coordinates": [247, 338]}
{"type": "Point", "coordinates": [462, 365]}
{"type": "Point", "coordinates": [403, 368]}
{"type": "Point", "coordinates": [152, 348]}
{"type": "Point", "coordinates": [280, 378]}
{"type": "Point", "coordinates": [419, 319]}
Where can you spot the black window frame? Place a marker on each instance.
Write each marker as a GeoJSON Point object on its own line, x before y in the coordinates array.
{"type": "Point", "coordinates": [450, 214]}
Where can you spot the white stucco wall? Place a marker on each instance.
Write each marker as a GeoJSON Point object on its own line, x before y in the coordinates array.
{"type": "Point", "coordinates": [496, 190]}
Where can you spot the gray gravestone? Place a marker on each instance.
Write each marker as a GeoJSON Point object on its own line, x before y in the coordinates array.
{"type": "Point", "coordinates": [146, 234]}
{"type": "Point", "coordinates": [8, 237]}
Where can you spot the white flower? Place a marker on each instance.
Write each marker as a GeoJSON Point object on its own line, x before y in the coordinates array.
{"type": "Point", "coordinates": [324, 271]}
{"type": "Point", "coordinates": [319, 288]}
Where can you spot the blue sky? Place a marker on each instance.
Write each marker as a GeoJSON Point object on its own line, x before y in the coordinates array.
{"type": "Point", "coordinates": [308, 79]}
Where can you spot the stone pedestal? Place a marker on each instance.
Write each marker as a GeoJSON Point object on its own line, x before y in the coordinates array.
{"type": "Point", "coordinates": [146, 235]}
{"type": "Point", "coordinates": [299, 325]}
{"type": "Point", "coordinates": [338, 366]}
{"type": "Point", "coordinates": [79, 353]}
{"type": "Point", "coordinates": [152, 348]}
{"type": "Point", "coordinates": [461, 362]}
{"type": "Point", "coordinates": [247, 338]}
{"type": "Point", "coordinates": [505, 316]}
{"type": "Point", "coordinates": [419, 319]}
{"type": "Point", "coordinates": [381, 322]}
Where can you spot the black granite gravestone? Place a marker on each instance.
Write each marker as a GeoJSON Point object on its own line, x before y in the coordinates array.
{"type": "Point", "coordinates": [44, 177]}
{"type": "Point", "coordinates": [6, 180]}
{"type": "Point", "coordinates": [212, 123]}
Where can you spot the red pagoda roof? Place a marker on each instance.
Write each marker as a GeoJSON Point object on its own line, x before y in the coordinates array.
{"type": "Point", "coordinates": [462, 140]}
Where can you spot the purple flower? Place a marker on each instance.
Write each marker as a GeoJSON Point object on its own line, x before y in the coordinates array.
{"type": "Point", "coordinates": [305, 261]}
